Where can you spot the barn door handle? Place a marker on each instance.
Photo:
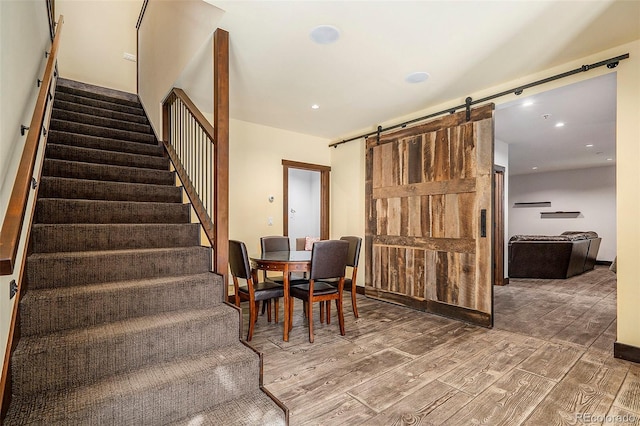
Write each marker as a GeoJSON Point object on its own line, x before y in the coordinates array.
{"type": "Point", "coordinates": [483, 223]}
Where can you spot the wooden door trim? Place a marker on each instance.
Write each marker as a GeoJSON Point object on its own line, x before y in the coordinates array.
{"type": "Point", "coordinates": [324, 194]}
{"type": "Point", "coordinates": [498, 228]}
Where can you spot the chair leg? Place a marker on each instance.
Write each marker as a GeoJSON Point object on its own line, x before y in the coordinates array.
{"type": "Point", "coordinates": [253, 317]}
{"type": "Point", "coordinates": [290, 325]}
{"type": "Point", "coordinates": [268, 309]}
{"type": "Point", "coordinates": [264, 306]}
{"type": "Point", "coordinates": [275, 302]}
{"type": "Point", "coordinates": [340, 316]}
{"type": "Point", "coordinates": [310, 312]}
{"type": "Point", "coordinates": [353, 301]}
{"type": "Point", "coordinates": [321, 312]}
{"type": "Point", "coordinates": [327, 306]}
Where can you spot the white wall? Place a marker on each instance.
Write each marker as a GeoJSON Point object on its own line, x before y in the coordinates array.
{"type": "Point", "coordinates": [304, 200]}
{"type": "Point", "coordinates": [96, 34]}
{"type": "Point", "coordinates": [255, 172]}
{"type": "Point", "coordinates": [592, 192]}
{"type": "Point", "coordinates": [24, 37]}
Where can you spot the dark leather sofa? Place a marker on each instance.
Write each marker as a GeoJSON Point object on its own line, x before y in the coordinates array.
{"type": "Point", "coordinates": [553, 256]}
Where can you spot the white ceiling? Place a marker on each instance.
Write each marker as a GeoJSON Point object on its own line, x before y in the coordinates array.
{"type": "Point", "coordinates": [277, 72]}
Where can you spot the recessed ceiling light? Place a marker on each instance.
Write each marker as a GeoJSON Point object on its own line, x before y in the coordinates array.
{"type": "Point", "coordinates": [589, 145]}
{"type": "Point", "coordinates": [534, 168]}
{"type": "Point", "coordinates": [609, 159]}
{"type": "Point", "coordinates": [527, 103]}
{"type": "Point", "coordinates": [560, 124]}
{"type": "Point", "coordinates": [324, 34]}
{"type": "Point", "coordinates": [417, 77]}
{"type": "Point", "coordinates": [315, 106]}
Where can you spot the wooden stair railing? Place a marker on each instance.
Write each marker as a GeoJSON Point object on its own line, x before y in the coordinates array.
{"type": "Point", "coordinates": [12, 227]}
{"type": "Point", "coordinates": [200, 153]}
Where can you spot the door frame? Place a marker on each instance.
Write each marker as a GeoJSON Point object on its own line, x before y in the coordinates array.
{"type": "Point", "coordinates": [498, 225]}
{"type": "Point", "coordinates": [324, 194]}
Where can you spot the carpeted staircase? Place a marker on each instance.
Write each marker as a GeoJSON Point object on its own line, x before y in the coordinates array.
{"type": "Point", "coordinates": [121, 322]}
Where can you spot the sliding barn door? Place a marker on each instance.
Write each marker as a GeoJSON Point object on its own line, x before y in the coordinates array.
{"type": "Point", "coordinates": [429, 198]}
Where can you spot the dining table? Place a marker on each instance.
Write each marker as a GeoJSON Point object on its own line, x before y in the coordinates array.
{"type": "Point", "coordinates": [285, 262]}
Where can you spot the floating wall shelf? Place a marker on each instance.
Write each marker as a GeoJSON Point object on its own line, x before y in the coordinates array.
{"type": "Point", "coordinates": [533, 204]}
{"type": "Point", "coordinates": [559, 214]}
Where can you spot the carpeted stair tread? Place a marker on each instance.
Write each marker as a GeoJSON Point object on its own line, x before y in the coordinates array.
{"type": "Point", "coordinates": [247, 410]}
{"type": "Point", "coordinates": [106, 144]}
{"type": "Point", "coordinates": [52, 270]}
{"type": "Point", "coordinates": [95, 103]}
{"type": "Point", "coordinates": [69, 188]}
{"type": "Point", "coordinates": [51, 310]}
{"type": "Point", "coordinates": [159, 394]}
{"type": "Point", "coordinates": [81, 356]}
{"type": "Point", "coordinates": [101, 112]}
{"type": "Point", "coordinates": [106, 172]}
{"type": "Point", "coordinates": [97, 92]}
{"type": "Point", "coordinates": [94, 130]}
{"type": "Point", "coordinates": [99, 121]}
{"type": "Point", "coordinates": [51, 238]}
{"type": "Point", "coordinates": [99, 156]}
{"type": "Point", "coordinates": [60, 210]}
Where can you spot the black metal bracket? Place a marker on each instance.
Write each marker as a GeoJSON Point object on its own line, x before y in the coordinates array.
{"type": "Point", "coordinates": [378, 135]}
{"type": "Point", "coordinates": [467, 103]}
{"type": "Point", "coordinates": [44, 131]}
{"type": "Point", "coordinates": [518, 92]}
{"type": "Point", "coordinates": [612, 65]}
{"type": "Point", "coordinates": [46, 54]}
{"type": "Point", "coordinates": [39, 82]}
{"type": "Point", "coordinates": [34, 183]}
{"type": "Point", "coordinates": [13, 289]}
{"type": "Point", "coordinates": [23, 129]}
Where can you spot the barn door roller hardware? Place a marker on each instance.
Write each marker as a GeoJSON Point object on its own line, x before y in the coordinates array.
{"type": "Point", "coordinates": [610, 63]}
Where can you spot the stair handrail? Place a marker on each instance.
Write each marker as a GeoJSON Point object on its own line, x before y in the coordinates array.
{"type": "Point", "coordinates": [215, 189]}
{"type": "Point", "coordinates": [201, 211]}
{"type": "Point", "coordinates": [16, 209]}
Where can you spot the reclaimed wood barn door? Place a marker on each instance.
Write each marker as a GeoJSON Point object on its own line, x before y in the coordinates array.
{"type": "Point", "coordinates": [428, 241]}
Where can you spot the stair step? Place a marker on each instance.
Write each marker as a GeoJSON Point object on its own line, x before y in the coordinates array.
{"type": "Point", "coordinates": [77, 117]}
{"type": "Point", "coordinates": [59, 104]}
{"type": "Point", "coordinates": [51, 238]}
{"type": "Point", "coordinates": [95, 103]}
{"type": "Point", "coordinates": [59, 187]}
{"type": "Point", "coordinates": [106, 172]}
{"type": "Point", "coordinates": [53, 310]}
{"type": "Point", "coordinates": [99, 156]}
{"type": "Point", "coordinates": [105, 132]}
{"type": "Point", "coordinates": [82, 356]}
{"type": "Point", "coordinates": [106, 144]}
{"type": "Point", "coordinates": [250, 409]}
{"type": "Point", "coordinates": [57, 270]}
{"type": "Point", "coordinates": [159, 394]}
{"type": "Point", "coordinates": [97, 92]}
{"type": "Point", "coordinates": [60, 210]}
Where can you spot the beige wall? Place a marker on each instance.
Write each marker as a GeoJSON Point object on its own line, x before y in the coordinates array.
{"type": "Point", "coordinates": [628, 178]}
{"type": "Point", "coordinates": [96, 35]}
{"type": "Point", "coordinates": [24, 37]}
{"type": "Point", "coordinates": [171, 33]}
{"type": "Point", "coordinates": [255, 172]}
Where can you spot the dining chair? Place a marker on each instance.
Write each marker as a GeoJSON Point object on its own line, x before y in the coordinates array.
{"type": "Point", "coordinates": [253, 291]}
{"type": "Point", "coordinates": [328, 261]}
{"type": "Point", "coordinates": [352, 261]}
{"type": "Point", "coordinates": [274, 243]}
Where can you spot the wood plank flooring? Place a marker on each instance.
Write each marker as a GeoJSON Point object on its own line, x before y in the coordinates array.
{"type": "Point", "coordinates": [548, 361]}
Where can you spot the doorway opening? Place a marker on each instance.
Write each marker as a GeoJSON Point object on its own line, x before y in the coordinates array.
{"type": "Point", "coordinates": [305, 207]}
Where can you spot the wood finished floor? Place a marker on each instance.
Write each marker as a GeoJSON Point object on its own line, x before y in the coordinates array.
{"type": "Point", "coordinates": [548, 361]}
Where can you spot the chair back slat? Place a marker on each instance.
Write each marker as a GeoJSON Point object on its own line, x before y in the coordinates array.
{"type": "Point", "coordinates": [239, 260]}
{"type": "Point", "coordinates": [328, 259]}
{"type": "Point", "coordinates": [274, 243]}
{"type": "Point", "coordinates": [354, 250]}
